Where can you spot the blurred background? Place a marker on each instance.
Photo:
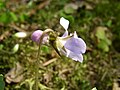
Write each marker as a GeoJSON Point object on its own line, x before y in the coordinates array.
{"type": "Point", "coordinates": [96, 21]}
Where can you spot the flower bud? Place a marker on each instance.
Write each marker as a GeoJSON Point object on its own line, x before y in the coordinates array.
{"type": "Point", "coordinates": [36, 35]}
{"type": "Point", "coordinates": [20, 34]}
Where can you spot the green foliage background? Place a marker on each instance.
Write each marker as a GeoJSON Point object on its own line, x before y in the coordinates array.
{"type": "Point", "coordinates": [96, 21]}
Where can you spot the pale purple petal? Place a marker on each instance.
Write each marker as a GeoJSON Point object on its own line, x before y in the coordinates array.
{"type": "Point", "coordinates": [65, 34]}
{"type": "Point", "coordinates": [76, 57]}
{"type": "Point", "coordinates": [36, 35]}
{"type": "Point", "coordinates": [45, 39]}
{"type": "Point", "coordinates": [76, 45]}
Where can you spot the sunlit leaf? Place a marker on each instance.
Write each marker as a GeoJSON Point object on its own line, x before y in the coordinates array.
{"type": "Point", "coordinates": [15, 48]}
{"type": "Point", "coordinates": [70, 8]}
{"type": "Point", "coordinates": [100, 33]}
{"type": "Point", "coordinates": [1, 46]}
{"type": "Point", "coordinates": [109, 23]}
{"type": "Point", "coordinates": [103, 45]}
{"type": "Point", "coordinates": [108, 41]}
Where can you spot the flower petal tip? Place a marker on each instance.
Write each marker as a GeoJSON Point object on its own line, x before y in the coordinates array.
{"type": "Point", "coordinates": [64, 22]}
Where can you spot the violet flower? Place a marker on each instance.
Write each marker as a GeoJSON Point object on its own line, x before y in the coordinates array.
{"type": "Point", "coordinates": [70, 45]}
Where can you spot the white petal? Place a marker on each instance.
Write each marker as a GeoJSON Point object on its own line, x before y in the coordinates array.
{"type": "Point", "coordinates": [75, 34]}
{"type": "Point", "coordinates": [68, 52]}
{"type": "Point", "coordinates": [21, 34]}
{"type": "Point", "coordinates": [94, 88]}
{"type": "Point", "coordinates": [64, 22]}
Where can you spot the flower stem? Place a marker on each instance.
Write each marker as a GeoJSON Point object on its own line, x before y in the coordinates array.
{"type": "Point", "coordinates": [37, 69]}
{"type": "Point", "coordinates": [37, 61]}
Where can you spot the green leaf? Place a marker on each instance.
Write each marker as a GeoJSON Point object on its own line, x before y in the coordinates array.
{"type": "Point", "coordinates": [68, 17]}
{"type": "Point", "coordinates": [108, 41]}
{"type": "Point", "coordinates": [13, 16]}
{"type": "Point", "coordinates": [2, 84]}
{"type": "Point", "coordinates": [23, 17]}
{"type": "Point", "coordinates": [103, 45]}
{"type": "Point", "coordinates": [2, 4]}
{"type": "Point", "coordinates": [100, 33]}
{"type": "Point", "coordinates": [3, 18]}
{"type": "Point", "coordinates": [15, 48]}
{"type": "Point", "coordinates": [45, 49]}
{"type": "Point", "coordinates": [69, 9]}
{"type": "Point", "coordinates": [1, 46]}
{"type": "Point", "coordinates": [109, 23]}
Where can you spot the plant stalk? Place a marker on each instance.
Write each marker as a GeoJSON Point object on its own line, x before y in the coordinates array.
{"type": "Point", "coordinates": [37, 61]}
{"type": "Point", "coordinates": [37, 70]}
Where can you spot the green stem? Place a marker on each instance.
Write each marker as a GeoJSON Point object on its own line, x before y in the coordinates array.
{"type": "Point", "coordinates": [37, 69]}
{"type": "Point", "coordinates": [37, 61]}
